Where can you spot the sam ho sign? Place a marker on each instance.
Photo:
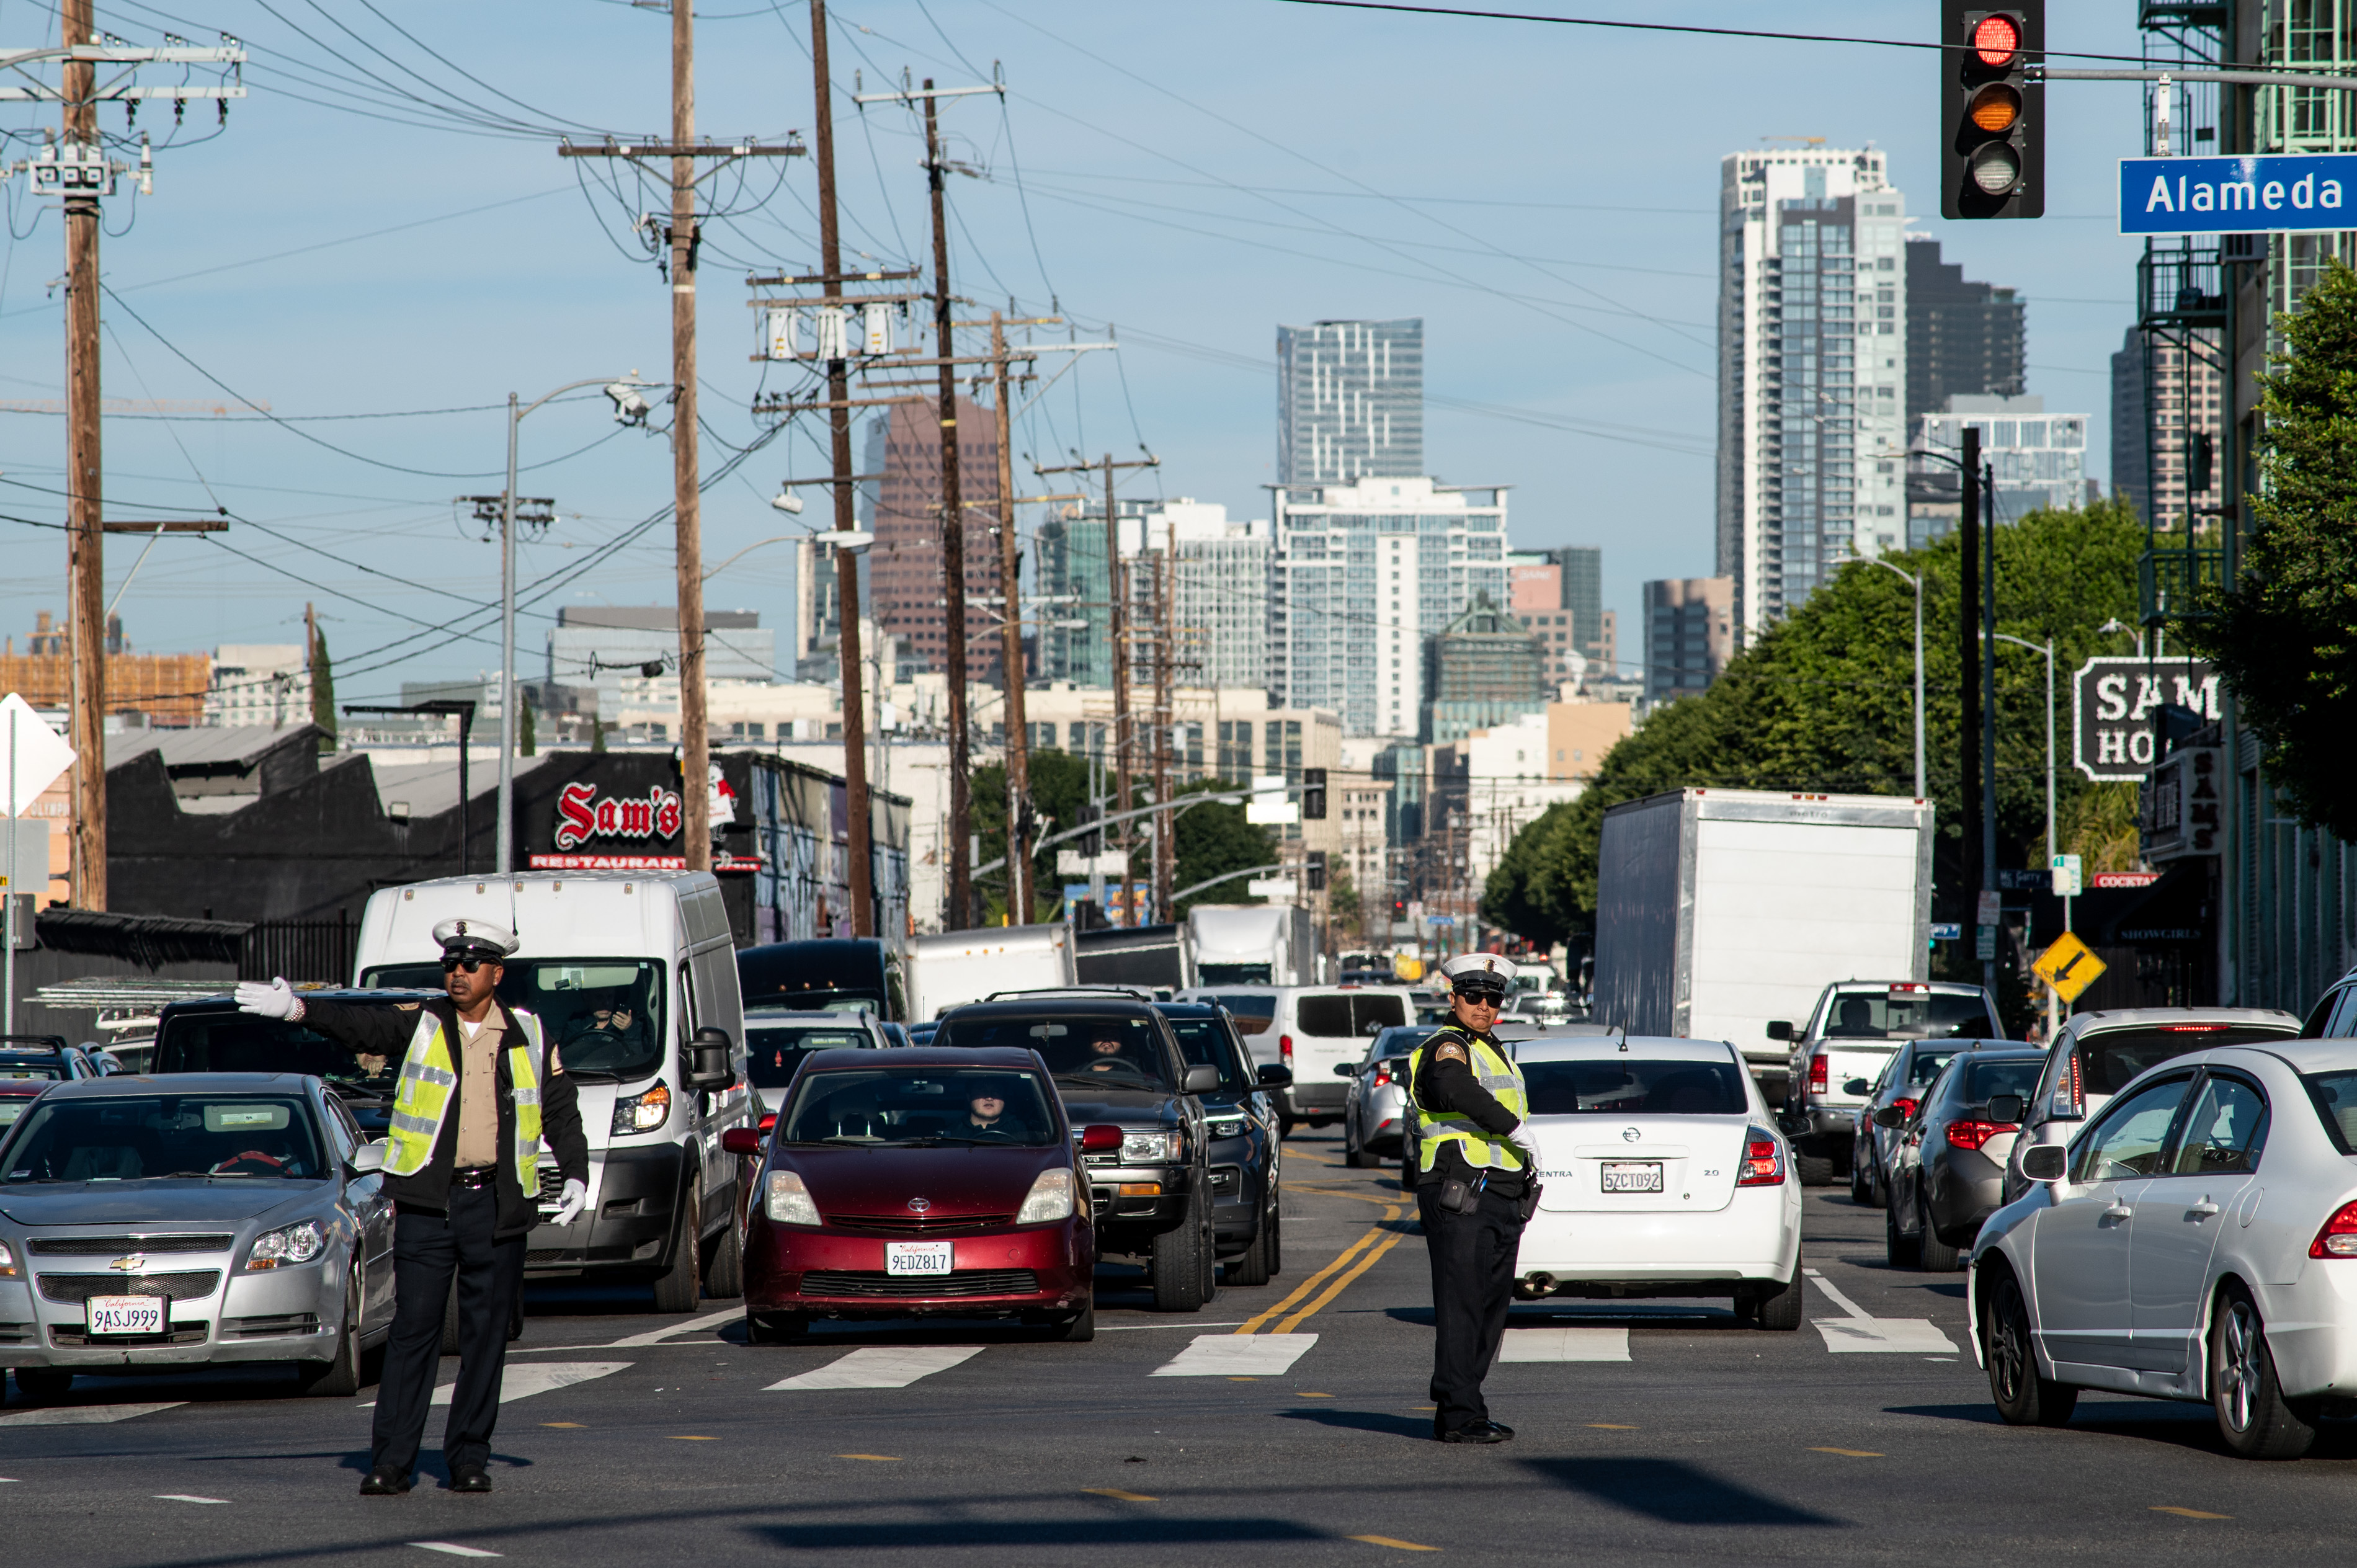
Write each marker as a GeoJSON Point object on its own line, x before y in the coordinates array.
{"type": "Point", "coordinates": [2114, 703]}
{"type": "Point", "coordinates": [2289, 193]}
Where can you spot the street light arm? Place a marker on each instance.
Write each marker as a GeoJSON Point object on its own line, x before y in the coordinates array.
{"type": "Point", "coordinates": [576, 386]}
{"type": "Point", "coordinates": [774, 539]}
{"type": "Point", "coordinates": [1912, 582]}
{"type": "Point", "coordinates": [1175, 805]}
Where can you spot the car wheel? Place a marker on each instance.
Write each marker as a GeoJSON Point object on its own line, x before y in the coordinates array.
{"type": "Point", "coordinates": [1777, 1307]}
{"type": "Point", "coordinates": [1816, 1170]}
{"type": "Point", "coordinates": [1881, 1183]}
{"type": "Point", "coordinates": [1861, 1182]}
{"type": "Point", "coordinates": [2022, 1397]}
{"type": "Point", "coordinates": [2254, 1417]}
{"type": "Point", "coordinates": [1285, 1126]}
{"type": "Point", "coordinates": [339, 1378]}
{"type": "Point", "coordinates": [1351, 1154]}
{"type": "Point", "coordinates": [1081, 1326]}
{"type": "Point", "coordinates": [1900, 1251]}
{"type": "Point", "coordinates": [1180, 1267]}
{"type": "Point", "coordinates": [777, 1327]}
{"type": "Point", "coordinates": [42, 1384]}
{"type": "Point", "coordinates": [1253, 1267]}
{"type": "Point", "coordinates": [677, 1290]}
{"type": "Point", "coordinates": [724, 1271]}
{"type": "Point", "coordinates": [1934, 1255]}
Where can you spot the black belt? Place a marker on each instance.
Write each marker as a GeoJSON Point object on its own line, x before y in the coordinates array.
{"type": "Point", "coordinates": [475, 1178]}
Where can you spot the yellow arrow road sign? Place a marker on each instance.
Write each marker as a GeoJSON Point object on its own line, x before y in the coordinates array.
{"type": "Point", "coordinates": [2069, 966]}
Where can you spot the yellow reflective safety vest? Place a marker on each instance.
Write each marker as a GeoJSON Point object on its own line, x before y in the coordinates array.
{"type": "Point", "coordinates": [1482, 1148]}
{"type": "Point", "coordinates": [429, 1087]}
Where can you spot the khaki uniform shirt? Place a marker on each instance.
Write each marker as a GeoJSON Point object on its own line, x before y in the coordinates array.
{"type": "Point", "coordinates": [479, 1093]}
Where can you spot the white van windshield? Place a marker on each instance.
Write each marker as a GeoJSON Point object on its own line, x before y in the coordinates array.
{"type": "Point", "coordinates": [605, 1015]}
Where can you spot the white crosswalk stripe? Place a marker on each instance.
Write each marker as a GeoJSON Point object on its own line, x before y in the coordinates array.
{"type": "Point", "coordinates": [1564, 1345]}
{"type": "Point", "coordinates": [1236, 1356]}
{"type": "Point", "coordinates": [522, 1381]}
{"type": "Point", "coordinates": [881, 1366]}
{"type": "Point", "coordinates": [1862, 1332]}
{"type": "Point", "coordinates": [83, 1415]}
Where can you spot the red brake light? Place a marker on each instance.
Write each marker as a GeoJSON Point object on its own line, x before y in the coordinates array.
{"type": "Point", "coordinates": [1818, 1073]}
{"type": "Point", "coordinates": [2339, 1237]}
{"type": "Point", "coordinates": [1906, 1107]}
{"type": "Point", "coordinates": [1383, 1075]}
{"type": "Point", "coordinates": [1902, 987]}
{"type": "Point", "coordinates": [1973, 1134]}
{"type": "Point", "coordinates": [2078, 1088]}
{"type": "Point", "coordinates": [1997, 40]}
{"type": "Point", "coordinates": [2191, 1028]}
{"type": "Point", "coordinates": [1285, 1048]}
{"type": "Point", "coordinates": [1763, 1161]}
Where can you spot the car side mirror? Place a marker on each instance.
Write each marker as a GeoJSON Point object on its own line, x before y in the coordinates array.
{"type": "Point", "coordinates": [711, 1071]}
{"type": "Point", "coordinates": [1200, 1080]}
{"type": "Point", "coordinates": [741, 1141]}
{"type": "Point", "coordinates": [1100, 1138]}
{"type": "Point", "coordinates": [1346, 1070]}
{"type": "Point", "coordinates": [1890, 1116]}
{"type": "Point", "coordinates": [2006, 1108]}
{"type": "Point", "coordinates": [2045, 1162]}
{"type": "Point", "coordinates": [1779, 1028]}
{"type": "Point", "coordinates": [367, 1160]}
{"type": "Point", "coordinates": [1276, 1076]}
{"type": "Point", "coordinates": [1857, 1086]}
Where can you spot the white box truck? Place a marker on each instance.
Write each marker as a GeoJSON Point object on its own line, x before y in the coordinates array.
{"type": "Point", "coordinates": [1253, 944]}
{"type": "Point", "coordinates": [952, 968]}
{"type": "Point", "coordinates": [1719, 911]}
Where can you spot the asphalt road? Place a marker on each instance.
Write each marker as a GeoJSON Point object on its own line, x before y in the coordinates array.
{"type": "Point", "coordinates": [1289, 1423]}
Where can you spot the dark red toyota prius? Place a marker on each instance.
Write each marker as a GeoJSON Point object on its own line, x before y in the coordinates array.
{"type": "Point", "coordinates": [918, 1182]}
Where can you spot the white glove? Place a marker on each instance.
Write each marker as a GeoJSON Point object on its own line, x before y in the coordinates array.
{"type": "Point", "coordinates": [569, 1206]}
{"type": "Point", "coordinates": [276, 1000]}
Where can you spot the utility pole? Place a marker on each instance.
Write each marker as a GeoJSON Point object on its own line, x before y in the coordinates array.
{"type": "Point", "coordinates": [1019, 902]}
{"type": "Point", "coordinates": [961, 912]}
{"type": "Point", "coordinates": [1989, 699]}
{"type": "Point", "coordinates": [1165, 827]}
{"type": "Point", "coordinates": [1968, 729]}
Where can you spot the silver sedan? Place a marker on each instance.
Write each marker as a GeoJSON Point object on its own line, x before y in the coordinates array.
{"type": "Point", "coordinates": [202, 1220]}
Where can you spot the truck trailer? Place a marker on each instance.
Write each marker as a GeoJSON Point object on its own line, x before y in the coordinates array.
{"type": "Point", "coordinates": [1253, 944]}
{"type": "Point", "coordinates": [948, 969]}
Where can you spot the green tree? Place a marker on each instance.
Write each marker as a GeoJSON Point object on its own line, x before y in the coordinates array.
{"type": "Point", "coordinates": [1347, 917]}
{"type": "Point", "coordinates": [2284, 636]}
{"type": "Point", "coordinates": [1213, 840]}
{"type": "Point", "coordinates": [527, 733]}
{"type": "Point", "coordinates": [323, 689]}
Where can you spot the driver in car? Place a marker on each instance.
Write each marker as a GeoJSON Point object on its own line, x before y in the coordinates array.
{"type": "Point", "coordinates": [986, 1116]}
{"type": "Point", "coordinates": [612, 1015]}
{"type": "Point", "coordinates": [1106, 1048]}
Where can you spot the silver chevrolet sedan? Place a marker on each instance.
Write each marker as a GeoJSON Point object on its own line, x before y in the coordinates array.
{"type": "Point", "coordinates": [191, 1222]}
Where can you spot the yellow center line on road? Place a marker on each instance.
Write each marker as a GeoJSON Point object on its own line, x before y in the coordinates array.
{"type": "Point", "coordinates": [1116, 1492]}
{"type": "Point", "coordinates": [1338, 1192]}
{"type": "Point", "coordinates": [1851, 1452]}
{"type": "Point", "coordinates": [1342, 1281]}
{"type": "Point", "coordinates": [2188, 1514]}
{"type": "Point", "coordinates": [1396, 1544]}
{"type": "Point", "coordinates": [879, 1458]}
{"type": "Point", "coordinates": [1374, 1233]}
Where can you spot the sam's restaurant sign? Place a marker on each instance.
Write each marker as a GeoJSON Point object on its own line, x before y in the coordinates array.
{"type": "Point", "coordinates": [593, 826]}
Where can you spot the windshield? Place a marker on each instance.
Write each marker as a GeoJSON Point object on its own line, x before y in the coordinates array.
{"type": "Point", "coordinates": [1885, 1014]}
{"type": "Point", "coordinates": [239, 1135]}
{"type": "Point", "coordinates": [2110, 1058]}
{"type": "Point", "coordinates": [243, 1042]}
{"type": "Point", "coordinates": [920, 1105]}
{"type": "Point", "coordinates": [1254, 1010]}
{"type": "Point", "coordinates": [1354, 1014]}
{"type": "Point", "coordinates": [1629, 1086]}
{"type": "Point", "coordinates": [1204, 1043]}
{"type": "Point", "coordinates": [1115, 1053]}
{"type": "Point", "coordinates": [46, 1071]}
{"type": "Point", "coordinates": [1925, 1065]}
{"type": "Point", "coordinates": [774, 1049]}
{"type": "Point", "coordinates": [1980, 1079]}
{"type": "Point", "coordinates": [11, 1106]}
{"type": "Point", "coordinates": [605, 1015]}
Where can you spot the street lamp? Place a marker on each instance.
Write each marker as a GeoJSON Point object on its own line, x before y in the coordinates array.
{"type": "Point", "coordinates": [1915, 583]}
{"type": "Point", "coordinates": [2053, 1018]}
{"type": "Point", "coordinates": [629, 408]}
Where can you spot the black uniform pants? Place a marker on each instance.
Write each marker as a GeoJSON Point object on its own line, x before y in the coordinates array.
{"type": "Point", "coordinates": [427, 1250]}
{"type": "Point", "coordinates": [1472, 1283]}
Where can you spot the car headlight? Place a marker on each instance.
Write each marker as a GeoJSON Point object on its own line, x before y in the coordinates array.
{"type": "Point", "coordinates": [1148, 1148]}
{"type": "Point", "coordinates": [1224, 1126]}
{"type": "Point", "coordinates": [642, 1112]}
{"type": "Point", "coordinates": [7, 1261]}
{"type": "Point", "coordinates": [787, 1201]}
{"type": "Point", "coordinates": [1050, 1198]}
{"type": "Point", "coordinates": [287, 1244]}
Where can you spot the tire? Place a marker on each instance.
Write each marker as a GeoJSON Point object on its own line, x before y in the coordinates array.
{"type": "Point", "coordinates": [677, 1290]}
{"type": "Point", "coordinates": [2021, 1396]}
{"type": "Point", "coordinates": [1285, 1125]}
{"type": "Point", "coordinates": [777, 1327]}
{"type": "Point", "coordinates": [2255, 1419]}
{"type": "Point", "coordinates": [1816, 1170]}
{"type": "Point", "coordinates": [1861, 1183]}
{"type": "Point", "coordinates": [1180, 1267]}
{"type": "Point", "coordinates": [1253, 1268]}
{"type": "Point", "coordinates": [1351, 1154]}
{"type": "Point", "coordinates": [1777, 1307]}
{"type": "Point", "coordinates": [1080, 1328]}
{"type": "Point", "coordinates": [1935, 1256]}
{"type": "Point", "coordinates": [724, 1271]}
{"type": "Point", "coordinates": [339, 1378]}
{"type": "Point", "coordinates": [42, 1384]}
{"type": "Point", "coordinates": [1900, 1251]}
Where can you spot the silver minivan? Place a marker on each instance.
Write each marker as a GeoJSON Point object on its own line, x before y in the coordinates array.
{"type": "Point", "coordinates": [1312, 1029]}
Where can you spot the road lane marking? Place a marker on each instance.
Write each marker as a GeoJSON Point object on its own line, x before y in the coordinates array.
{"type": "Point", "coordinates": [1342, 1260]}
{"type": "Point", "coordinates": [185, 1497]}
{"type": "Point", "coordinates": [1564, 1345]}
{"type": "Point", "coordinates": [538, 1377]}
{"type": "Point", "coordinates": [878, 1458]}
{"type": "Point", "coordinates": [1116, 1492]}
{"type": "Point", "coordinates": [2187, 1513]}
{"type": "Point", "coordinates": [880, 1367]}
{"type": "Point", "coordinates": [656, 1336]}
{"type": "Point", "coordinates": [1311, 1396]}
{"type": "Point", "coordinates": [682, 1438]}
{"type": "Point", "coordinates": [1838, 1299]}
{"type": "Point", "coordinates": [1852, 1452]}
{"type": "Point", "coordinates": [84, 1415]}
{"type": "Point", "coordinates": [1141, 1327]}
{"type": "Point", "coordinates": [1342, 1282]}
{"type": "Point", "coordinates": [1228, 1355]}
{"type": "Point", "coordinates": [1870, 1336]}
{"type": "Point", "coordinates": [1396, 1544]}
{"type": "Point", "coordinates": [1599, 1425]}
{"type": "Point", "coordinates": [1337, 1192]}
{"type": "Point", "coordinates": [452, 1548]}
{"type": "Point", "coordinates": [574, 1424]}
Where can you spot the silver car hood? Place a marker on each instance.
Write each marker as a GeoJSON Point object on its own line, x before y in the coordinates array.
{"type": "Point", "coordinates": [192, 1201]}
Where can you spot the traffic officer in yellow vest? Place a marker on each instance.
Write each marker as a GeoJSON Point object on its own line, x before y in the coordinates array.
{"type": "Point", "coordinates": [479, 1087]}
{"type": "Point", "coordinates": [1475, 1187]}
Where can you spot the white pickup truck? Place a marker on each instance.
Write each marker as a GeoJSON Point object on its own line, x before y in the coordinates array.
{"type": "Point", "coordinates": [1848, 1035]}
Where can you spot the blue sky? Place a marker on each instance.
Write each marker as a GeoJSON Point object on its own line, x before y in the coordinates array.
{"type": "Point", "coordinates": [377, 235]}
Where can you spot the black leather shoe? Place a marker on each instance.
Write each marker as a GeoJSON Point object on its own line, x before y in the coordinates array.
{"type": "Point", "coordinates": [384, 1481]}
{"type": "Point", "coordinates": [471, 1479]}
{"type": "Point", "coordinates": [1480, 1432]}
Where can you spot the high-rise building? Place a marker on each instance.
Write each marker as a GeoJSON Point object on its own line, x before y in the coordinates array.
{"type": "Point", "coordinates": [1689, 635]}
{"type": "Point", "coordinates": [1218, 589]}
{"type": "Point", "coordinates": [1350, 401]}
{"type": "Point", "coordinates": [1485, 669]}
{"type": "Point", "coordinates": [1583, 595]}
{"type": "Point", "coordinates": [2037, 459]}
{"type": "Point", "coordinates": [1967, 337]}
{"type": "Point", "coordinates": [903, 578]}
{"type": "Point", "coordinates": [1811, 371]}
{"type": "Point", "coordinates": [1536, 581]}
{"type": "Point", "coordinates": [2157, 413]}
{"type": "Point", "coordinates": [1363, 575]}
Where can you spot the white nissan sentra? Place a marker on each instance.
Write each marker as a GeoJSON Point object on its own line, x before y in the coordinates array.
{"type": "Point", "coordinates": [1663, 1175]}
{"type": "Point", "coordinates": [2197, 1239]}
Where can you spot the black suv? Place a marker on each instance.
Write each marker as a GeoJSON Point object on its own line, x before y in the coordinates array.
{"type": "Point", "coordinates": [1115, 1062]}
{"type": "Point", "coordinates": [212, 1036]}
{"type": "Point", "coordinates": [46, 1057]}
{"type": "Point", "coordinates": [1244, 1123]}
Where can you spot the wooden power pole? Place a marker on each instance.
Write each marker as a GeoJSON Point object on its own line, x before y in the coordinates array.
{"type": "Point", "coordinates": [1019, 902]}
{"type": "Point", "coordinates": [695, 738]}
{"type": "Point", "coordinates": [959, 913]}
{"type": "Point", "coordinates": [85, 525]}
{"type": "Point", "coordinates": [1166, 826]}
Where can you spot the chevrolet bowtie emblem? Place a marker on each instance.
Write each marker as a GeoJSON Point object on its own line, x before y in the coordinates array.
{"type": "Point", "coordinates": [135, 1264]}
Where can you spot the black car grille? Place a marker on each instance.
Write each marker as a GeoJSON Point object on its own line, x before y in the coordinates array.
{"type": "Point", "coordinates": [76, 1339]}
{"type": "Point", "coordinates": [266, 1327]}
{"type": "Point", "coordinates": [1227, 1181]}
{"type": "Point", "coordinates": [191, 1286]}
{"type": "Point", "coordinates": [919, 1224]}
{"type": "Point", "coordinates": [16, 1333]}
{"type": "Point", "coordinates": [116, 1246]}
{"type": "Point", "coordinates": [962, 1283]}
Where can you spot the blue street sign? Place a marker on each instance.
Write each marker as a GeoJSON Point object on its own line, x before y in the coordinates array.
{"type": "Point", "coordinates": [2289, 194]}
{"type": "Point", "coordinates": [1946, 930]}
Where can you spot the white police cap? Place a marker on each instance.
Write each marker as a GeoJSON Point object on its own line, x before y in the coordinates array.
{"type": "Point", "coordinates": [1479, 964]}
{"type": "Point", "coordinates": [476, 936]}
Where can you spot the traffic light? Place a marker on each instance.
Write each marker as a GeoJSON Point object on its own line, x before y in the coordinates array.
{"type": "Point", "coordinates": [1318, 870]}
{"type": "Point", "coordinates": [1992, 111]}
{"type": "Point", "coordinates": [2199, 453]}
{"type": "Point", "coordinates": [1313, 794]}
{"type": "Point", "coordinates": [1092, 842]}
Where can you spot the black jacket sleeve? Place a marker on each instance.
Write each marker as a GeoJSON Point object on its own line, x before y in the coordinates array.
{"type": "Point", "coordinates": [1451, 1087]}
{"type": "Point", "coordinates": [382, 1031]}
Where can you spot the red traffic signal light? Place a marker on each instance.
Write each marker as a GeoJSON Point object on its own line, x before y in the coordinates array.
{"type": "Point", "coordinates": [1992, 111]}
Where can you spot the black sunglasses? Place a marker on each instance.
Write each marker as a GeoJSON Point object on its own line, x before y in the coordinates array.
{"type": "Point", "coordinates": [470, 966]}
{"type": "Point", "coordinates": [1482, 997]}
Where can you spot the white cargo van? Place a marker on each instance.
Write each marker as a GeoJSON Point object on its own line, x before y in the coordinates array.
{"type": "Point", "coordinates": [956, 967]}
{"type": "Point", "coordinates": [1312, 1029]}
{"type": "Point", "coordinates": [633, 975]}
